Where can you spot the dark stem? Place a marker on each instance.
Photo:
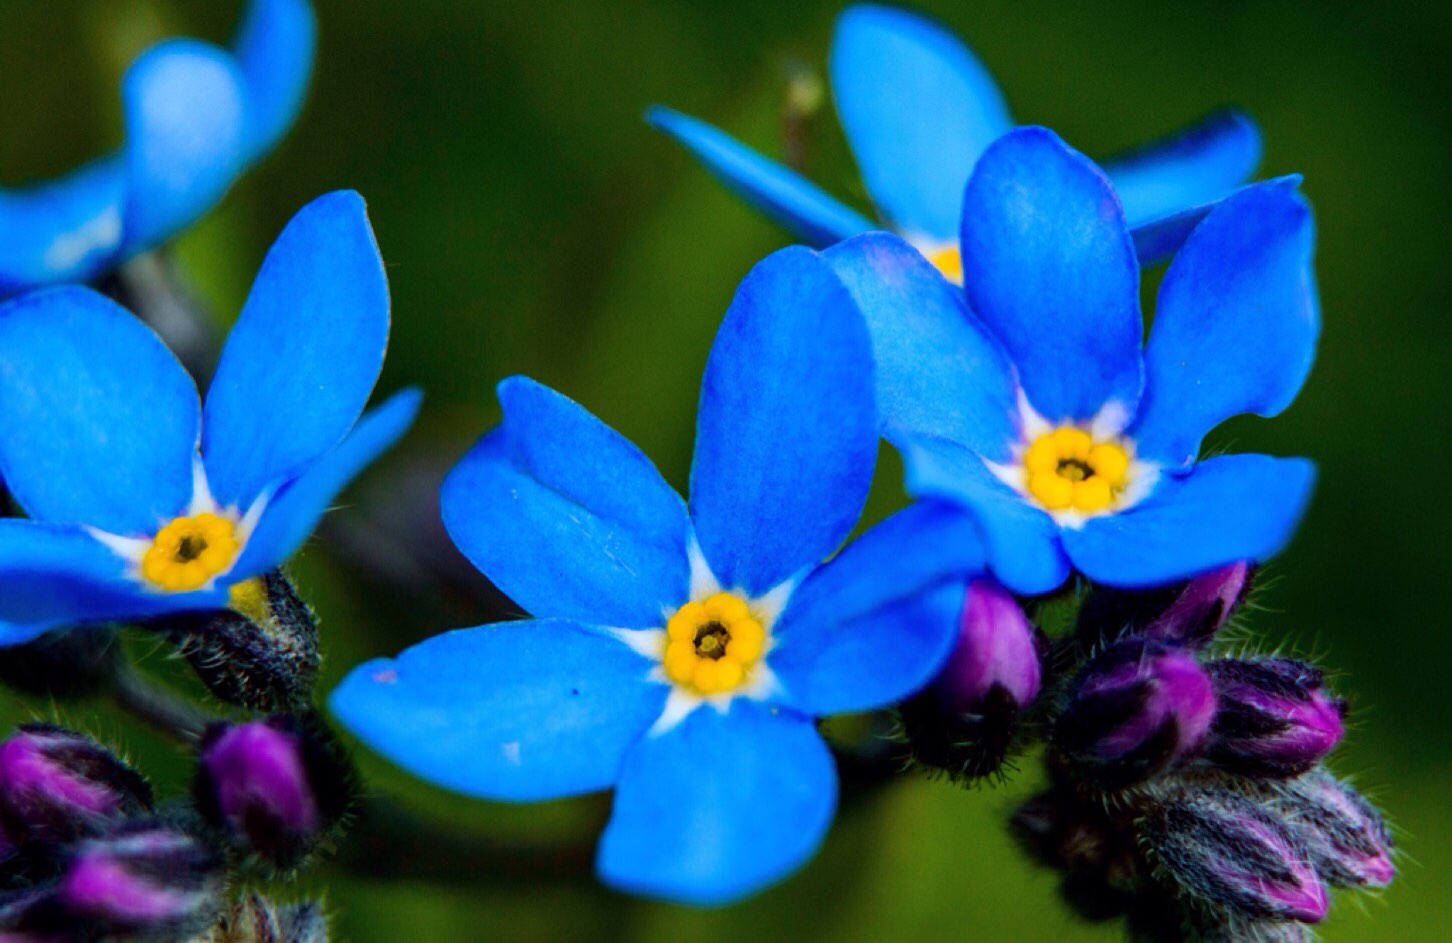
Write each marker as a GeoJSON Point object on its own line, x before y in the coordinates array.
{"type": "Point", "coordinates": [150, 287]}
{"type": "Point", "coordinates": [158, 707]}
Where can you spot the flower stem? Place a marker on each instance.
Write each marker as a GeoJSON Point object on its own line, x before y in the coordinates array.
{"type": "Point", "coordinates": [156, 706]}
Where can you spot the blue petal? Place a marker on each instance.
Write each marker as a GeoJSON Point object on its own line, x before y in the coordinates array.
{"type": "Point", "coordinates": [1236, 324]}
{"type": "Point", "coordinates": [64, 230]}
{"type": "Point", "coordinates": [275, 47]}
{"type": "Point", "coordinates": [186, 109]}
{"type": "Point", "coordinates": [1227, 510]}
{"type": "Point", "coordinates": [720, 806]}
{"type": "Point", "coordinates": [786, 434]}
{"type": "Point", "coordinates": [1159, 239]}
{"type": "Point", "coordinates": [876, 622]}
{"type": "Point", "coordinates": [1024, 552]}
{"type": "Point", "coordinates": [520, 711]}
{"type": "Point", "coordinates": [1050, 267]}
{"type": "Point", "coordinates": [1198, 165]}
{"type": "Point", "coordinates": [291, 516]}
{"type": "Point", "coordinates": [567, 517]}
{"type": "Point", "coordinates": [59, 575]}
{"type": "Point", "coordinates": [99, 420]}
{"type": "Point", "coordinates": [303, 357]}
{"type": "Point", "coordinates": [918, 110]}
{"type": "Point", "coordinates": [939, 372]}
{"type": "Point", "coordinates": [782, 194]}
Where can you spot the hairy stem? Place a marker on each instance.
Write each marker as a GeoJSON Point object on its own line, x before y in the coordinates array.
{"type": "Point", "coordinates": [156, 706]}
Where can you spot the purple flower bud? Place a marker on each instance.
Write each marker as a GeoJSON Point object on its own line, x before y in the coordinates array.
{"type": "Point", "coordinates": [56, 785]}
{"type": "Point", "coordinates": [144, 878]}
{"type": "Point", "coordinates": [274, 785]}
{"type": "Point", "coordinates": [1137, 708]}
{"type": "Point", "coordinates": [1225, 850]}
{"type": "Point", "coordinates": [1350, 843]}
{"type": "Point", "coordinates": [996, 655]}
{"type": "Point", "coordinates": [1203, 607]}
{"type": "Point", "coordinates": [1275, 719]}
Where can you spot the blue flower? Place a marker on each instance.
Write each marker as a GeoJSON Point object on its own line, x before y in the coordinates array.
{"type": "Point", "coordinates": [1026, 396]}
{"type": "Point", "coordinates": [141, 499]}
{"type": "Point", "coordinates": [919, 110]}
{"type": "Point", "coordinates": [196, 117]}
{"type": "Point", "coordinates": [679, 652]}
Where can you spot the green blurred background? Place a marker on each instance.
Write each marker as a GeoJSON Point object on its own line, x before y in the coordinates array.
{"type": "Point", "coordinates": [532, 223]}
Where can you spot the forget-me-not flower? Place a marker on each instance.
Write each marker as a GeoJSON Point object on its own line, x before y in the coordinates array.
{"type": "Point", "coordinates": [196, 117]}
{"type": "Point", "coordinates": [680, 651]}
{"type": "Point", "coordinates": [1026, 396]}
{"type": "Point", "coordinates": [141, 499]}
{"type": "Point", "coordinates": [919, 110]}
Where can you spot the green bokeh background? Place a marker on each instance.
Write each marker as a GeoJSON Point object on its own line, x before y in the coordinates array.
{"type": "Point", "coordinates": [532, 223]}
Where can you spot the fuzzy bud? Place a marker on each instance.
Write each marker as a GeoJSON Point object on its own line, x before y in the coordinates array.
{"type": "Point", "coordinates": [1224, 850]}
{"type": "Point", "coordinates": [273, 785]}
{"type": "Point", "coordinates": [144, 879]}
{"type": "Point", "coordinates": [255, 919]}
{"type": "Point", "coordinates": [1350, 843]}
{"type": "Point", "coordinates": [56, 785]}
{"type": "Point", "coordinates": [1139, 707]}
{"type": "Point", "coordinates": [1275, 718]}
{"type": "Point", "coordinates": [1203, 606]}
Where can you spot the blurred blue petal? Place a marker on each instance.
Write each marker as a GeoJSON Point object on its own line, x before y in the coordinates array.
{"type": "Point", "coordinates": [782, 194]}
{"type": "Point", "coordinates": [1198, 165]}
{"type": "Point", "coordinates": [876, 622]}
{"type": "Point", "coordinates": [59, 575]}
{"type": "Point", "coordinates": [918, 110]}
{"type": "Point", "coordinates": [1049, 266]}
{"type": "Point", "coordinates": [98, 421]}
{"type": "Point", "coordinates": [64, 230]}
{"type": "Point", "coordinates": [786, 434]}
{"type": "Point", "coordinates": [274, 47]}
{"type": "Point", "coordinates": [520, 711]}
{"type": "Point", "coordinates": [939, 372]}
{"type": "Point", "coordinates": [1228, 509]}
{"type": "Point", "coordinates": [186, 110]}
{"type": "Point", "coordinates": [302, 359]}
{"type": "Point", "coordinates": [1024, 552]}
{"type": "Point", "coordinates": [567, 517]}
{"type": "Point", "coordinates": [1236, 323]}
{"type": "Point", "coordinates": [293, 514]}
{"type": "Point", "coordinates": [719, 806]}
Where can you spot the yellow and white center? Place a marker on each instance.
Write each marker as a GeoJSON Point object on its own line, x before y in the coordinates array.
{"type": "Point", "coordinates": [1067, 470]}
{"type": "Point", "coordinates": [189, 552]}
{"type": "Point", "coordinates": [713, 646]}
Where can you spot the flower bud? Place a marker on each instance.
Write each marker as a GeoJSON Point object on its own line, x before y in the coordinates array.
{"type": "Point", "coordinates": [1350, 843]}
{"type": "Point", "coordinates": [1137, 708]}
{"type": "Point", "coordinates": [56, 785]}
{"type": "Point", "coordinates": [143, 879]}
{"type": "Point", "coordinates": [1274, 719]}
{"type": "Point", "coordinates": [261, 654]}
{"type": "Point", "coordinates": [1094, 852]}
{"type": "Point", "coordinates": [1203, 606]}
{"type": "Point", "coordinates": [273, 785]}
{"type": "Point", "coordinates": [255, 919]}
{"type": "Point", "coordinates": [1224, 850]}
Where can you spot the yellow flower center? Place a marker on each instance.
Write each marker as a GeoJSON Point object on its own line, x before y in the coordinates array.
{"type": "Point", "coordinates": [1067, 470]}
{"type": "Point", "coordinates": [712, 645]}
{"type": "Point", "coordinates": [188, 552]}
{"type": "Point", "coordinates": [949, 261]}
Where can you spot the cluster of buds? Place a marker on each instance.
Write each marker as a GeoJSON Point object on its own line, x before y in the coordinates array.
{"type": "Point", "coordinates": [1188, 793]}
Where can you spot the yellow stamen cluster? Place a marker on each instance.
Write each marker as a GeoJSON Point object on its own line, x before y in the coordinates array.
{"type": "Point", "coordinates": [712, 645]}
{"type": "Point", "coordinates": [1067, 470]}
{"type": "Point", "coordinates": [188, 552]}
{"type": "Point", "coordinates": [249, 597]}
{"type": "Point", "coordinates": [949, 261]}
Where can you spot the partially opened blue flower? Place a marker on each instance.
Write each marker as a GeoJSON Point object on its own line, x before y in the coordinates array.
{"type": "Point", "coordinates": [679, 652]}
{"type": "Point", "coordinates": [143, 500]}
{"type": "Point", "coordinates": [919, 109]}
{"type": "Point", "coordinates": [1026, 396]}
{"type": "Point", "coordinates": [196, 117]}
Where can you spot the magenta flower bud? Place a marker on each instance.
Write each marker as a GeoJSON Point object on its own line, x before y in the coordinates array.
{"type": "Point", "coordinates": [145, 878]}
{"type": "Point", "coordinates": [996, 656]}
{"type": "Point", "coordinates": [274, 785]}
{"type": "Point", "coordinates": [1275, 718]}
{"type": "Point", "coordinates": [56, 785]}
{"type": "Point", "coordinates": [1203, 606]}
{"type": "Point", "coordinates": [1224, 850]}
{"type": "Point", "coordinates": [1350, 843]}
{"type": "Point", "coordinates": [1139, 707]}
